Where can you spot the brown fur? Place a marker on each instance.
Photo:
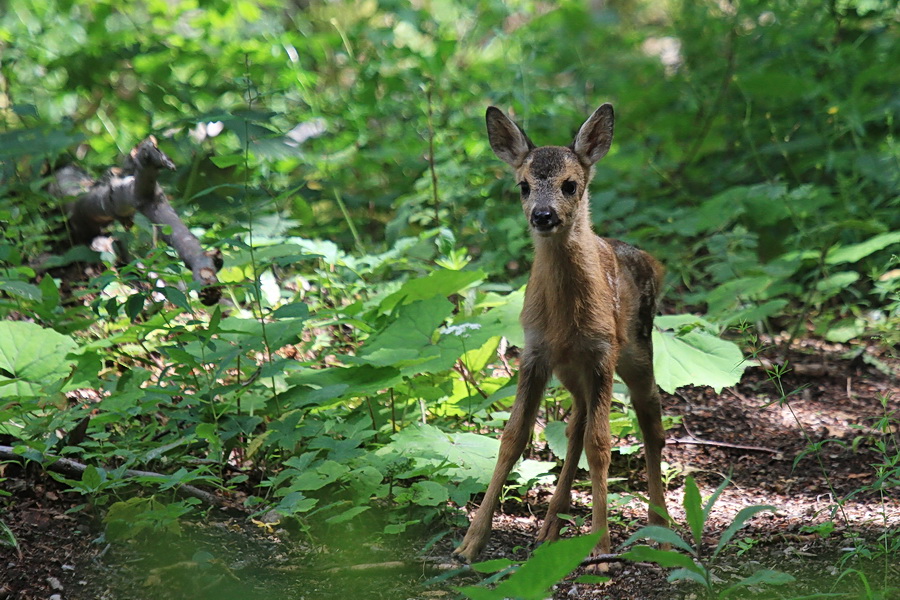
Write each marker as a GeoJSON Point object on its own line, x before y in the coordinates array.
{"type": "Point", "coordinates": [588, 312]}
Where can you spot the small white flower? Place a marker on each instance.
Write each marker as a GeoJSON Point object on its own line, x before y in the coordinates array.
{"type": "Point", "coordinates": [214, 128]}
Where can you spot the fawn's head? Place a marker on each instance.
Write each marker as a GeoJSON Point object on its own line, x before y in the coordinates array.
{"type": "Point", "coordinates": [553, 179]}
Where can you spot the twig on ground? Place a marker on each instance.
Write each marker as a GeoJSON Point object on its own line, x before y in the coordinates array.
{"type": "Point", "coordinates": [695, 441]}
{"type": "Point", "coordinates": [601, 559]}
{"type": "Point", "coordinates": [698, 442]}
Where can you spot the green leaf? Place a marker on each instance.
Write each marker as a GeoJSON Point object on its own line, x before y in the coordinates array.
{"type": "Point", "coordinates": [92, 478]}
{"type": "Point", "coordinates": [492, 566]}
{"type": "Point", "coordinates": [753, 313]}
{"type": "Point", "coordinates": [315, 479]}
{"type": "Point", "coordinates": [707, 508]}
{"type": "Point", "coordinates": [37, 141]}
{"type": "Point", "coordinates": [347, 515]}
{"type": "Point", "coordinates": [76, 254]}
{"type": "Point", "coordinates": [478, 593]}
{"type": "Point", "coordinates": [228, 160]}
{"type": "Point", "coordinates": [663, 558]}
{"type": "Point", "coordinates": [555, 434]}
{"type": "Point", "coordinates": [739, 521]}
{"type": "Point", "coordinates": [341, 382]}
{"type": "Point", "coordinates": [440, 283]}
{"type": "Point", "coordinates": [760, 577]}
{"type": "Point", "coordinates": [694, 510]}
{"type": "Point", "coordinates": [503, 317]}
{"type": "Point", "coordinates": [176, 297]}
{"type": "Point", "coordinates": [32, 358]}
{"type": "Point", "coordinates": [295, 310]}
{"type": "Point", "coordinates": [460, 455]}
{"type": "Point", "coordinates": [533, 470]}
{"type": "Point", "coordinates": [409, 336]}
{"type": "Point", "coordinates": [856, 252]}
{"type": "Point", "coordinates": [726, 298]}
{"type": "Point", "coordinates": [660, 535]}
{"type": "Point", "coordinates": [22, 289]}
{"type": "Point", "coordinates": [49, 293]}
{"type": "Point", "coordinates": [695, 358]}
{"type": "Point", "coordinates": [845, 330]}
{"type": "Point", "coordinates": [836, 283]}
{"type": "Point", "coordinates": [248, 333]}
{"type": "Point", "coordinates": [134, 305]}
{"type": "Point", "coordinates": [549, 563]}
{"type": "Point", "coordinates": [123, 520]}
{"type": "Point", "coordinates": [295, 502]}
{"type": "Point", "coordinates": [429, 493]}
{"type": "Point", "coordinates": [477, 359]}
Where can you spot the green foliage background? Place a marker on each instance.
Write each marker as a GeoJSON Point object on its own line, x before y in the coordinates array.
{"type": "Point", "coordinates": [335, 152]}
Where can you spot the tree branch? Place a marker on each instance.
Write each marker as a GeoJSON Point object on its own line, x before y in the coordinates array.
{"type": "Point", "coordinates": [72, 468]}
{"type": "Point", "coordinates": [123, 192]}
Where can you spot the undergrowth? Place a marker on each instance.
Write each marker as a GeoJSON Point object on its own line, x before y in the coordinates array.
{"type": "Point", "coordinates": [365, 356]}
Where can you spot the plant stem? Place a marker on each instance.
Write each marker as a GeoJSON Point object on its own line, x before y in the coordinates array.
{"type": "Point", "coordinates": [434, 179]}
{"type": "Point", "coordinates": [356, 239]}
{"type": "Point", "coordinates": [257, 288]}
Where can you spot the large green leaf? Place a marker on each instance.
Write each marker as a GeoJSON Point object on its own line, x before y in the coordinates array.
{"type": "Point", "coordinates": [660, 535]}
{"type": "Point", "coordinates": [693, 510]}
{"type": "Point", "coordinates": [409, 337]}
{"type": "Point", "coordinates": [32, 358]}
{"type": "Point", "coordinates": [856, 252]}
{"type": "Point", "coordinates": [461, 455]}
{"type": "Point", "coordinates": [692, 356]}
{"type": "Point", "coordinates": [760, 577]}
{"type": "Point", "coordinates": [503, 317]}
{"type": "Point", "coordinates": [335, 383]}
{"type": "Point", "coordinates": [23, 289]}
{"type": "Point", "coordinates": [413, 343]}
{"type": "Point", "coordinates": [664, 558]}
{"type": "Point", "coordinates": [549, 563]}
{"type": "Point", "coordinates": [739, 521]}
{"type": "Point", "coordinates": [437, 283]}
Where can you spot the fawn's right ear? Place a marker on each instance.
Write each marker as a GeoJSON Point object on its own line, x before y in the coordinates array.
{"type": "Point", "coordinates": [508, 141]}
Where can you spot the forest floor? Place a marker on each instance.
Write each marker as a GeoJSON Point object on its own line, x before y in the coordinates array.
{"type": "Point", "coordinates": [743, 433]}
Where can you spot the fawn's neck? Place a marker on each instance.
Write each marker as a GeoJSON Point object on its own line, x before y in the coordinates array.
{"type": "Point", "coordinates": [569, 259]}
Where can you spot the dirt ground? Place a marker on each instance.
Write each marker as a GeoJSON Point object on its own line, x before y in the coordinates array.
{"type": "Point", "coordinates": [743, 433]}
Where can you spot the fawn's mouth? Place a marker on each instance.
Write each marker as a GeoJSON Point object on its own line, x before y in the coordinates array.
{"type": "Point", "coordinates": [546, 229]}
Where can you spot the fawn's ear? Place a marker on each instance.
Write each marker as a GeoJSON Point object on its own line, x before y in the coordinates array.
{"type": "Point", "coordinates": [595, 136]}
{"type": "Point", "coordinates": [508, 141]}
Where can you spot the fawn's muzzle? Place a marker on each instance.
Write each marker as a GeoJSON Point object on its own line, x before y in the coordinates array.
{"type": "Point", "coordinates": [544, 219]}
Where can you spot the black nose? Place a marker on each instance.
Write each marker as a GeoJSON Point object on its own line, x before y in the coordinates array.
{"type": "Point", "coordinates": [544, 219]}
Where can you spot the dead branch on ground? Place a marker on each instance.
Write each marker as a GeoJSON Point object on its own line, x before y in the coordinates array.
{"type": "Point", "coordinates": [73, 468]}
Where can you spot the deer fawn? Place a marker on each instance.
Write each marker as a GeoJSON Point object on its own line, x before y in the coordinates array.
{"type": "Point", "coordinates": [588, 311]}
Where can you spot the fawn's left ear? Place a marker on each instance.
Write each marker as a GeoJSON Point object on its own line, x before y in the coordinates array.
{"type": "Point", "coordinates": [595, 136]}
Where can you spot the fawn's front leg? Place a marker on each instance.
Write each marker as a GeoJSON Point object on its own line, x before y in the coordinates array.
{"type": "Point", "coordinates": [533, 376]}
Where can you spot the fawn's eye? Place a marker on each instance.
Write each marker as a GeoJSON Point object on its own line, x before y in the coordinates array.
{"type": "Point", "coordinates": [569, 187]}
{"type": "Point", "coordinates": [526, 189]}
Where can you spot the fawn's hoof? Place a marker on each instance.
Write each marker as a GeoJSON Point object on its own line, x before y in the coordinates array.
{"type": "Point", "coordinates": [468, 550]}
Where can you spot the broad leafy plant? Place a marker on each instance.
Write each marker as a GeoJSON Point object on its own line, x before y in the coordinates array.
{"type": "Point", "coordinates": [688, 554]}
